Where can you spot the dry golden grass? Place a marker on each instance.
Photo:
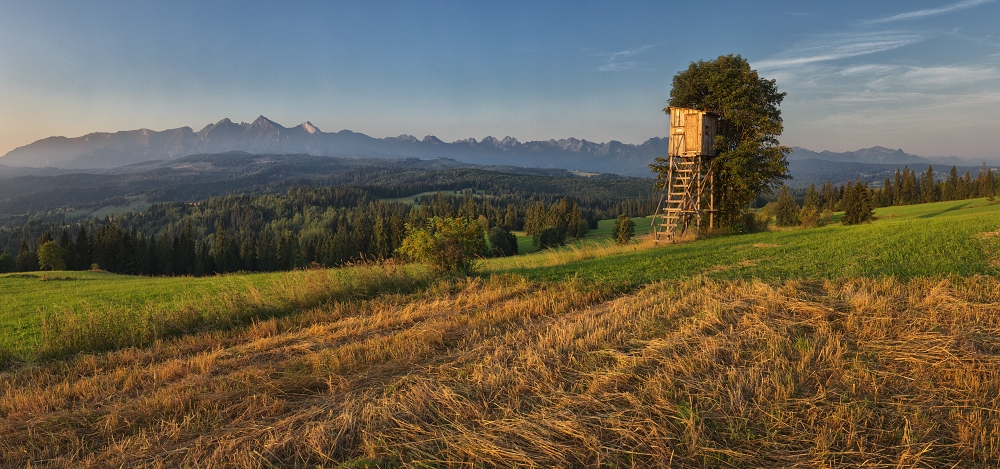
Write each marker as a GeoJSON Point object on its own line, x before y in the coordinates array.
{"type": "Point", "coordinates": [576, 252]}
{"type": "Point", "coordinates": [102, 327]}
{"type": "Point", "coordinates": [503, 372]}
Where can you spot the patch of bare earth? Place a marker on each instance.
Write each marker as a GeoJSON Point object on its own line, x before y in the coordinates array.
{"type": "Point", "coordinates": [505, 373]}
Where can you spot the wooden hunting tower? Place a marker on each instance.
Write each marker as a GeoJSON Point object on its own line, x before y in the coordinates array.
{"type": "Point", "coordinates": [691, 157]}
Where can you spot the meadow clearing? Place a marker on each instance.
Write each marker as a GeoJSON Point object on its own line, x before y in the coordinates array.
{"type": "Point", "coordinates": [875, 345]}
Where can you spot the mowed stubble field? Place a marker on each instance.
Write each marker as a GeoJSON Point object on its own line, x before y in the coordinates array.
{"type": "Point", "coordinates": [875, 345]}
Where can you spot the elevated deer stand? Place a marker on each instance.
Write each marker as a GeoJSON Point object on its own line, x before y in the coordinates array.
{"type": "Point", "coordinates": [692, 133]}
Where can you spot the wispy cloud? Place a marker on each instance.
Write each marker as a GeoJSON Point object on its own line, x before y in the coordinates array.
{"type": "Point", "coordinates": [910, 15]}
{"type": "Point", "coordinates": [948, 76]}
{"type": "Point", "coordinates": [615, 66]}
{"type": "Point", "coordinates": [615, 61]}
{"type": "Point", "coordinates": [897, 88]}
{"type": "Point", "coordinates": [840, 46]}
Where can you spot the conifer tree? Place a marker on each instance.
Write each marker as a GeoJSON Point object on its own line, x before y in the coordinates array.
{"type": "Point", "coordinates": [950, 191]}
{"type": "Point", "coordinates": [786, 212]}
{"type": "Point", "coordinates": [828, 198]}
{"type": "Point", "coordinates": [886, 194]}
{"type": "Point", "coordinates": [68, 251]}
{"type": "Point", "coordinates": [624, 229]}
{"type": "Point", "coordinates": [510, 217]}
{"type": "Point", "coordinates": [812, 198]}
{"type": "Point", "coordinates": [84, 254]}
{"type": "Point", "coordinates": [7, 263]}
{"type": "Point", "coordinates": [908, 189]}
{"type": "Point", "coordinates": [810, 216]}
{"type": "Point", "coordinates": [27, 259]}
{"type": "Point", "coordinates": [857, 204]}
{"type": "Point", "coordinates": [928, 192]}
{"type": "Point", "coordinates": [965, 186]}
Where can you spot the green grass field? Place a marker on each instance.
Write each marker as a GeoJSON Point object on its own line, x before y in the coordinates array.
{"type": "Point", "coordinates": [601, 234]}
{"type": "Point", "coordinates": [945, 238]}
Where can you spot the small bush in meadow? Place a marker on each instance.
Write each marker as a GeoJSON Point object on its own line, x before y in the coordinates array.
{"type": "Point", "coordinates": [502, 242]}
{"type": "Point", "coordinates": [447, 245]}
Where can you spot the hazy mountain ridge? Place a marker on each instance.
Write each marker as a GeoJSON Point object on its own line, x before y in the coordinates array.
{"type": "Point", "coordinates": [106, 150]}
{"type": "Point", "coordinates": [135, 148]}
{"type": "Point", "coordinates": [875, 155]}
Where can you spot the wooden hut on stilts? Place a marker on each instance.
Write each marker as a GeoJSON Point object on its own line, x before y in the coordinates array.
{"type": "Point", "coordinates": [688, 192]}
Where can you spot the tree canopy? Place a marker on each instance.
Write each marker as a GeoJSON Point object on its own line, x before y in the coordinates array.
{"type": "Point", "coordinates": [750, 159]}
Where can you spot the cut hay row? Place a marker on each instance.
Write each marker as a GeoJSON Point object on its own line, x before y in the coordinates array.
{"type": "Point", "coordinates": [504, 372]}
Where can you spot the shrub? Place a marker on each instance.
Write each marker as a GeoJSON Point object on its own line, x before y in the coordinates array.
{"type": "Point", "coordinates": [503, 242]}
{"type": "Point", "coordinates": [810, 217]}
{"type": "Point", "coordinates": [447, 245]}
{"type": "Point", "coordinates": [550, 237]}
{"type": "Point", "coordinates": [826, 217]}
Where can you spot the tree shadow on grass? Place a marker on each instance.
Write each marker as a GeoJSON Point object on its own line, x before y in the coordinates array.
{"type": "Point", "coordinates": [949, 209]}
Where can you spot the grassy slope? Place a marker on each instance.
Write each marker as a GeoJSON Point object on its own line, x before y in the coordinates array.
{"type": "Point", "coordinates": [591, 355]}
{"type": "Point", "coordinates": [601, 234]}
{"type": "Point", "coordinates": [930, 239]}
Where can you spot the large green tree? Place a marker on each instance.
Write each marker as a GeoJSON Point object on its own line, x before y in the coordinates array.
{"type": "Point", "coordinates": [750, 160]}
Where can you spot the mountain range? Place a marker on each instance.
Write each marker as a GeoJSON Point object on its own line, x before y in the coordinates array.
{"type": "Point", "coordinates": [103, 150]}
{"type": "Point", "coordinates": [874, 155]}
{"type": "Point", "coordinates": [264, 136]}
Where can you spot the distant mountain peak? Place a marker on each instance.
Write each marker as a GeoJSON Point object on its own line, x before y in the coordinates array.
{"type": "Point", "coordinates": [404, 138]}
{"type": "Point", "coordinates": [431, 139]}
{"type": "Point", "coordinates": [309, 127]}
{"type": "Point", "coordinates": [509, 141]}
{"type": "Point", "coordinates": [263, 122]}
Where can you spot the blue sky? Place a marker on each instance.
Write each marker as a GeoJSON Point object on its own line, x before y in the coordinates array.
{"type": "Point", "coordinates": [919, 75]}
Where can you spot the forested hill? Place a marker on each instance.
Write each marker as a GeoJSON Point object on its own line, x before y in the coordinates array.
{"type": "Point", "coordinates": [305, 225]}
{"type": "Point", "coordinates": [70, 196]}
{"type": "Point", "coordinates": [295, 209]}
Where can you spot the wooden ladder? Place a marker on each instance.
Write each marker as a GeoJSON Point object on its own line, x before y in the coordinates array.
{"type": "Point", "coordinates": [682, 194]}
